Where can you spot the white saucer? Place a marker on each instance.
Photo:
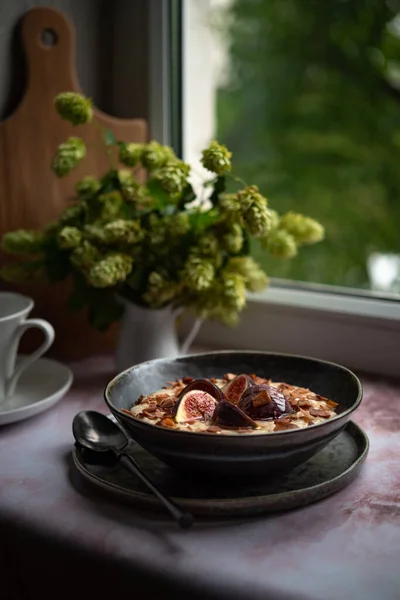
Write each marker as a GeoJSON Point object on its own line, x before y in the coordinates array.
{"type": "Point", "coordinates": [41, 386]}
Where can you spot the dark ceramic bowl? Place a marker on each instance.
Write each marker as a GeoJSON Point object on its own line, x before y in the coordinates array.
{"type": "Point", "coordinates": [241, 454]}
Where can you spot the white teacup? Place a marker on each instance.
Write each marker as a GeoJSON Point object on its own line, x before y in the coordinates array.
{"type": "Point", "coordinates": [14, 310]}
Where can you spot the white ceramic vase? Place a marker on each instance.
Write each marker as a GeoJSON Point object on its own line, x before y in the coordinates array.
{"type": "Point", "coordinates": [147, 333]}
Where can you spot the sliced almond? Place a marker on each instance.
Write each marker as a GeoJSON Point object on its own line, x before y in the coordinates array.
{"type": "Point", "coordinates": [331, 403]}
{"type": "Point", "coordinates": [229, 376]}
{"type": "Point", "coordinates": [167, 422]}
{"type": "Point", "coordinates": [283, 424]}
{"type": "Point", "coordinates": [319, 412]}
{"type": "Point", "coordinates": [167, 403]}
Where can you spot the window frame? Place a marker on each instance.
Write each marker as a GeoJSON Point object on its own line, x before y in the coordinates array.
{"type": "Point", "coordinates": [352, 327]}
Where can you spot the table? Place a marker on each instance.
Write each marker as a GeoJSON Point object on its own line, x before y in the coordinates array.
{"type": "Point", "coordinates": [57, 539]}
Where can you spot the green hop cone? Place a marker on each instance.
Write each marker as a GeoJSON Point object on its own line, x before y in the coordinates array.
{"type": "Point", "coordinates": [232, 240]}
{"type": "Point", "coordinates": [87, 187]}
{"type": "Point", "coordinates": [274, 218]}
{"type": "Point", "coordinates": [73, 215]}
{"type": "Point", "coordinates": [110, 205]}
{"type": "Point", "coordinates": [74, 107]}
{"type": "Point", "coordinates": [304, 229]}
{"type": "Point", "coordinates": [248, 196]}
{"type": "Point", "coordinates": [69, 238]}
{"type": "Point", "coordinates": [254, 277]}
{"type": "Point", "coordinates": [230, 318]}
{"type": "Point", "coordinates": [23, 241]}
{"type": "Point", "coordinates": [205, 302]}
{"type": "Point", "coordinates": [156, 156]}
{"type": "Point", "coordinates": [130, 154]}
{"type": "Point", "coordinates": [177, 225]}
{"type": "Point", "coordinates": [230, 208]}
{"type": "Point", "coordinates": [68, 156]}
{"type": "Point", "coordinates": [110, 270]}
{"type": "Point", "coordinates": [23, 272]}
{"type": "Point", "coordinates": [85, 256]}
{"type": "Point", "coordinates": [216, 158]}
{"type": "Point", "coordinates": [234, 291]}
{"type": "Point", "coordinates": [124, 232]}
{"type": "Point", "coordinates": [159, 290]}
{"type": "Point", "coordinates": [212, 303]}
{"type": "Point", "coordinates": [94, 233]}
{"type": "Point", "coordinates": [207, 245]}
{"type": "Point", "coordinates": [280, 244]}
{"type": "Point", "coordinates": [198, 274]}
{"type": "Point", "coordinates": [157, 230]}
{"type": "Point", "coordinates": [131, 189]}
{"type": "Point", "coordinates": [173, 176]}
{"type": "Point", "coordinates": [257, 218]}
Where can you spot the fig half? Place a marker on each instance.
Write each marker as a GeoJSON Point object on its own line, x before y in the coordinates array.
{"type": "Point", "coordinates": [230, 416]}
{"type": "Point", "coordinates": [195, 405]}
{"type": "Point", "coordinates": [234, 389]}
{"type": "Point", "coordinates": [264, 402]}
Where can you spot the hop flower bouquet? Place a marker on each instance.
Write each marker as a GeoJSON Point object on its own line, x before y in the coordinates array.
{"type": "Point", "coordinates": [155, 243]}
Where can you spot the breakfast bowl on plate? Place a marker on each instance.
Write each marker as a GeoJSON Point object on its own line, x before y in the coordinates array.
{"type": "Point", "coordinates": [234, 412]}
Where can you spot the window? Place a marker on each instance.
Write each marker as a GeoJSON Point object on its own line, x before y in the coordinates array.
{"type": "Point", "coordinates": [306, 97]}
{"type": "Point", "coordinates": [317, 135]}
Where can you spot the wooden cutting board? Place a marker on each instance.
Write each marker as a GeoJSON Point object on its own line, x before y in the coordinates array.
{"type": "Point", "coordinates": [30, 194]}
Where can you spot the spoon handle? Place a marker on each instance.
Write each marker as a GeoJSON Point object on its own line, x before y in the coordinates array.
{"type": "Point", "coordinates": [184, 519]}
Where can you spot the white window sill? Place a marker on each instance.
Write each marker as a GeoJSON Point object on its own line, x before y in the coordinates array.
{"type": "Point", "coordinates": [359, 332]}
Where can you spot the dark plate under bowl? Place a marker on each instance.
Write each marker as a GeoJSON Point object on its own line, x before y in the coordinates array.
{"type": "Point", "coordinates": [242, 454]}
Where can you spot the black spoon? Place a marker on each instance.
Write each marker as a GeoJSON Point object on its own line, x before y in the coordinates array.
{"type": "Point", "coordinates": [95, 431]}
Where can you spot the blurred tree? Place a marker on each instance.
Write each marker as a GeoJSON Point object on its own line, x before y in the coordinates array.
{"type": "Point", "coordinates": [311, 112]}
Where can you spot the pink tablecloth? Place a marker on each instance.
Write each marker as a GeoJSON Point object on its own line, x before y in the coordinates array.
{"type": "Point", "coordinates": [56, 540]}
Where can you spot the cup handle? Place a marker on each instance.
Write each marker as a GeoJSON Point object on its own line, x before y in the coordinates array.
{"type": "Point", "coordinates": [48, 331]}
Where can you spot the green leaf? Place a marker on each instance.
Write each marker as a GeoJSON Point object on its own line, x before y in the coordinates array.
{"type": "Point", "coordinates": [58, 266]}
{"type": "Point", "coordinates": [138, 277]}
{"type": "Point", "coordinates": [109, 137]}
{"type": "Point", "coordinates": [220, 186]}
{"type": "Point", "coordinates": [129, 211]}
{"type": "Point", "coordinates": [203, 220]}
{"type": "Point", "coordinates": [110, 181]}
{"type": "Point", "coordinates": [103, 310]}
{"type": "Point", "coordinates": [161, 197]}
{"type": "Point", "coordinates": [169, 210]}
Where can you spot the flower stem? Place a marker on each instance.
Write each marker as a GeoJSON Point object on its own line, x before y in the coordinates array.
{"type": "Point", "coordinates": [107, 148]}
{"type": "Point", "coordinates": [236, 179]}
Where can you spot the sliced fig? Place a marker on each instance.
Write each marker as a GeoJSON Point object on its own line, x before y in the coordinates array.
{"type": "Point", "coordinates": [234, 389]}
{"type": "Point", "coordinates": [204, 385]}
{"type": "Point", "coordinates": [195, 405]}
{"type": "Point", "coordinates": [264, 402]}
{"type": "Point", "coordinates": [230, 416]}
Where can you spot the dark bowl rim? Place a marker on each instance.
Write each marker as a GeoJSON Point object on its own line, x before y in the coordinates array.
{"type": "Point", "coordinates": [194, 434]}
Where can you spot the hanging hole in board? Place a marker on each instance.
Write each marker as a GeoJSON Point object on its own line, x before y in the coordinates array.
{"type": "Point", "coordinates": [48, 38]}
